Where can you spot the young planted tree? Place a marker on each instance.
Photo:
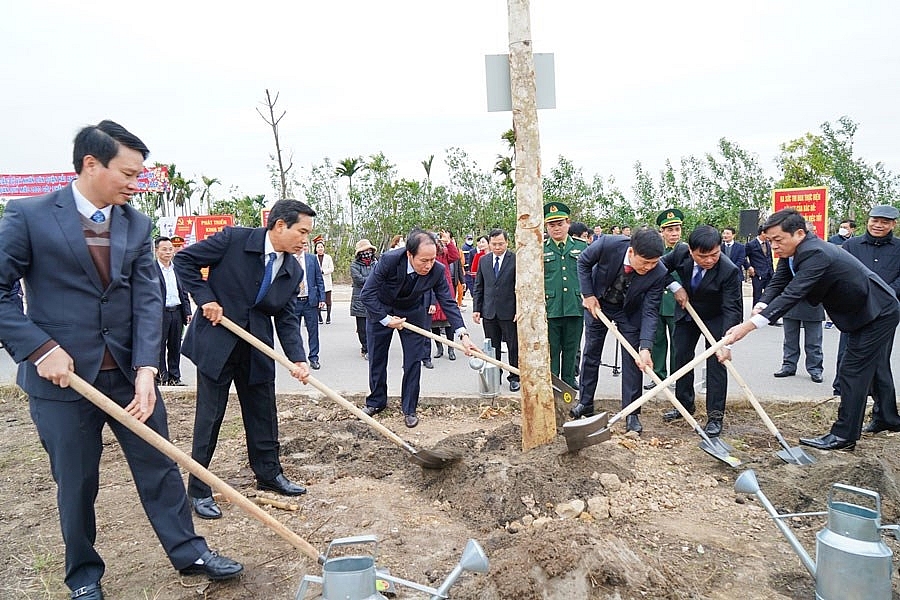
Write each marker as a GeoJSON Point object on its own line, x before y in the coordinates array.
{"type": "Point", "coordinates": [271, 121]}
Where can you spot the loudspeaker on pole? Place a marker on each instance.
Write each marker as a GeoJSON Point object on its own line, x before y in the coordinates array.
{"type": "Point", "coordinates": [749, 224]}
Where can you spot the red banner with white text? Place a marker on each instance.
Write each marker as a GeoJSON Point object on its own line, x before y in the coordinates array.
{"type": "Point", "coordinates": [155, 179]}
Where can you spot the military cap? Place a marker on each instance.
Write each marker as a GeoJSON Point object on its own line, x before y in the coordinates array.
{"type": "Point", "coordinates": [318, 239]}
{"type": "Point", "coordinates": [885, 211]}
{"type": "Point", "coordinates": [554, 211]}
{"type": "Point", "coordinates": [670, 216]}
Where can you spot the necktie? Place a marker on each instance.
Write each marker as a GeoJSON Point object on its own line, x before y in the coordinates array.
{"type": "Point", "coordinates": [267, 278]}
{"type": "Point", "coordinates": [791, 265]}
{"type": "Point", "coordinates": [629, 269]}
{"type": "Point", "coordinates": [698, 275]}
{"type": "Point", "coordinates": [303, 291]}
{"type": "Point", "coordinates": [768, 249]}
{"type": "Point", "coordinates": [561, 246]}
{"type": "Point", "coordinates": [98, 217]}
{"type": "Point", "coordinates": [496, 266]}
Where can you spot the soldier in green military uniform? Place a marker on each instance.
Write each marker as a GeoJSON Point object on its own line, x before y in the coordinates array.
{"type": "Point", "coordinates": [565, 315]}
{"type": "Point", "coordinates": [669, 222]}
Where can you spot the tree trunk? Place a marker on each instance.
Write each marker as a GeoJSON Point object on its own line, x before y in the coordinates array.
{"type": "Point", "coordinates": [538, 412]}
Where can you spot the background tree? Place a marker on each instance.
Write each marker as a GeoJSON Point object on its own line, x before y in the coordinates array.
{"type": "Point", "coordinates": [282, 172]}
{"type": "Point", "coordinates": [348, 168]}
{"type": "Point", "coordinates": [247, 210]}
{"type": "Point", "coordinates": [205, 193]}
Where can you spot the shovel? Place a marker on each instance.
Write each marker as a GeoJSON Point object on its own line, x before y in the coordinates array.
{"type": "Point", "coordinates": [429, 459]}
{"type": "Point", "coordinates": [715, 447]}
{"type": "Point", "coordinates": [166, 447]}
{"type": "Point", "coordinates": [793, 455]}
{"type": "Point", "coordinates": [562, 391]}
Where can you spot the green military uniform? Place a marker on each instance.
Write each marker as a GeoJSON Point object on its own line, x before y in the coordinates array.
{"type": "Point", "coordinates": [562, 293]}
{"type": "Point", "coordinates": [665, 329]}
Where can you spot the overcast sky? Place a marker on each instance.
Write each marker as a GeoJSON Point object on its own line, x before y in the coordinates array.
{"type": "Point", "coordinates": [635, 80]}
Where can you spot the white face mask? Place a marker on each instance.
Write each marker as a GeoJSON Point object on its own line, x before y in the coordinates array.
{"type": "Point", "coordinates": [843, 231]}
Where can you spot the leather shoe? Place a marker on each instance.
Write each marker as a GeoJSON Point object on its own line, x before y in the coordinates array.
{"type": "Point", "coordinates": [88, 592]}
{"type": "Point", "coordinates": [649, 386]}
{"type": "Point", "coordinates": [674, 415]}
{"type": "Point", "coordinates": [206, 508]}
{"type": "Point", "coordinates": [372, 410]}
{"type": "Point", "coordinates": [215, 567]}
{"type": "Point", "coordinates": [829, 441]}
{"type": "Point", "coordinates": [514, 386]}
{"type": "Point", "coordinates": [281, 485]}
{"type": "Point", "coordinates": [314, 365]}
{"type": "Point", "coordinates": [816, 378]}
{"type": "Point", "coordinates": [451, 353]}
{"type": "Point", "coordinates": [411, 420]}
{"type": "Point", "coordinates": [633, 423]}
{"type": "Point", "coordinates": [440, 350]}
{"type": "Point", "coordinates": [784, 373]}
{"type": "Point", "coordinates": [427, 363]}
{"type": "Point", "coordinates": [877, 427]}
{"type": "Point", "coordinates": [713, 427]}
{"type": "Point", "coordinates": [582, 410]}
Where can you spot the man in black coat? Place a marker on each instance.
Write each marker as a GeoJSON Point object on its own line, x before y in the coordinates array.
{"type": "Point", "coordinates": [622, 277]}
{"type": "Point", "coordinates": [859, 303]}
{"type": "Point", "coordinates": [734, 250]}
{"type": "Point", "coordinates": [176, 314]}
{"type": "Point", "coordinates": [495, 300]}
{"type": "Point", "coordinates": [262, 260]}
{"type": "Point", "coordinates": [759, 263]}
{"type": "Point", "coordinates": [395, 292]}
{"type": "Point", "coordinates": [714, 290]}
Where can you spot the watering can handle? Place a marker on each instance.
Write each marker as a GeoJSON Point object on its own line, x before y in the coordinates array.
{"type": "Point", "coordinates": [353, 541]}
{"type": "Point", "coordinates": [852, 489]}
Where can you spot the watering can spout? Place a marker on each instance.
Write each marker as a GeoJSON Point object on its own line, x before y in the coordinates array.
{"type": "Point", "coordinates": [746, 483]}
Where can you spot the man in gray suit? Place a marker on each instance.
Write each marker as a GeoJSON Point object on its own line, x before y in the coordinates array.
{"type": "Point", "coordinates": [94, 300]}
{"type": "Point", "coordinates": [495, 300]}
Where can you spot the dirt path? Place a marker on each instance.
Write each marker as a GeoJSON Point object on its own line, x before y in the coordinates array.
{"type": "Point", "coordinates": [645, 518]}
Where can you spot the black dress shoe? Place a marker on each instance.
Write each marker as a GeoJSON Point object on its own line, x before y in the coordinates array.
{"type": "Point", "coordinates": [633, 423]}
{"type": "Point", "coordinates": [514, 386]}
{"type": "Point", "coordinates": [674, 415]}
{"type": "Point", "coordinates": [372, 410]}
{"type": "Point", "coordinates": [88, 592]}
{"type": "Point", "coordinates": [214, 567]}
{"type": "Point", "coordinates": [451, 354]}
{"type": "Point", "coordinates": [877, 427]}
{"type": "Point", "coordinates": [649, 386]}
{"type": "Point", "coordinates": [713, 427]}
{"type": "Point", "coordinates": [829, 441]}
{"type": "Point", "coordinates": [784, 373]}
{"type": "Point", "coordinates": [427, 363]}
{"type": "Point", "coordinates": [582, 410]}
{"type": "Point", "coordinates": [206, 508]}
{"type": "Point", "coordinates": [314, 365]}
{"type": "Point", "coordinates": [175, 381]}
{"type": "Point", "coordinates": [281, 485]}
{"type": "Point", "coordinates": [411, 420]}
{"type": "Point", "coordinates": [440, 350]}
{"type": "Point", "coordinates": [816, 378]}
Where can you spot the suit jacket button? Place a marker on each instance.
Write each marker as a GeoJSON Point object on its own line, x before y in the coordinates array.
{"type": "Point", "coordinates": [104, 300]}
{"type": "Point", "coordinates": [105, 331]}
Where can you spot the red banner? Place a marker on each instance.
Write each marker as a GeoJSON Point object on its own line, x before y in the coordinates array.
{"type": "Point", "coordinates": [155, 179]}
{"type": "Point", "coordinates": [812, 203]}
{"type": "Point", "coordinates": [184, 227]}
{"type": "Point", "coordinates": [207, 225]}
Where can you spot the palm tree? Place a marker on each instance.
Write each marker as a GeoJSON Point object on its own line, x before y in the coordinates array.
{"type": "Point", "coordinates": [504, 166]}
{"type": "Point", "coordinates": [509, 136]}
{"type": "Point", "coordinates": [427, 165]}
{"type": "Point", "coordinates": [208, 182]}
{"type": "Point", "coordinates": [348, 168]}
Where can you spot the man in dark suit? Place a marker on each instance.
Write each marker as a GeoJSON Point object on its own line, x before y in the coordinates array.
{"type": "Point", "coordinates": [759, 263]}
{"type": "Point", "coordinates": [734, 250]}
{"type": "Point", "coordinates": [495, 300]}
{"type": "Point", "coordinates": [395, 292]}
{"type": "Point", "coordinates": [176, 314]}
{"type": "Point", "coordinates": [858, 301]}
{"type": "Point", "coordinates": [622, 277]}
{"type": "Point", "coordinates": [94, 300]}
{"type": "Point", "coordinates": [711, 285]}
{"type": "Point", "coordinates": [262, 258]}
{"type": "Point", "coordinates": [310, 299]}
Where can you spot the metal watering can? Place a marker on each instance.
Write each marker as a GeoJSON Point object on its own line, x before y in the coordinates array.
{"type": "Point", "coordinates": [852, 561]}
{"type": "Point", "coordinates": [488, 374]}
{"type": "Point", "coordinates": [357, 578]}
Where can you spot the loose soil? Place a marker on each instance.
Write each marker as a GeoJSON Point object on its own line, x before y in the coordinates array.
{"type": "Point", "coordinates": [652, 517]}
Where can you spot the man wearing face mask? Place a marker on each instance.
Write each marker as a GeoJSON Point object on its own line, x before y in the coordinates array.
{"type": "Point", "coordinates": [846, 231]}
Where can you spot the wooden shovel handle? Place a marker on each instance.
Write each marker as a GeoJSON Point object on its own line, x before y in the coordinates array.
{"type": "Point", "coordinates": [285, 362]}
{"type": "Point", "coordinates": [458, 346]}
{"type": "Point", "coordinates": [734, 373]}
{"type": "Point", "coordinates": [169, 449]}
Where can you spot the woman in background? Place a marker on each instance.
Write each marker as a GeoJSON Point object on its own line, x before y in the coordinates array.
{"type": "Point", "coordinates": [327, 266]}
{"type": "Point", "coordinates": [362, 266]}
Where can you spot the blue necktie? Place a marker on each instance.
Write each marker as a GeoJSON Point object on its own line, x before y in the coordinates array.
{"type": "Point", "coordinates": [496, 266]}
{"type": "Point", "coordinates": [698, 275]}
{"type": "Point", "coordinates": [267, 278]}
{"type": "Point", "coordinates": [98, 217]}
{"type": "Point", "coordinates": [791, 265]}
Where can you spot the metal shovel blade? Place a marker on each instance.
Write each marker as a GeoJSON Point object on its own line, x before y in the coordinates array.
{"type": "Point", "coordinates": [433, 459]}
{"type": "Point", "coordinates": [586, 432]}
{"type": "Point", "coordinates": [795, 456]}
{"type": "Point", "coordinates": [720, 450]}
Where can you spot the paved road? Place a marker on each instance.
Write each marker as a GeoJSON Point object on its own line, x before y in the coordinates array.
{"type": "Point", "coordinates": [756, 358]}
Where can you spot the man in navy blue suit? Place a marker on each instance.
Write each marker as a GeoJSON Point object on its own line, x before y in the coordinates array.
{"type": "Point", "coordinates": [734, 250]}
{"type": "Point", "coordinates": [759, 259]}
{"type": "Point", "coordinates": [94, 301]}
{"type": "Point", "coordinates": [394, 293]}
{"type": "Point", "coordinates": [622, 277]}
{"type": "Point", "coordinates": [310, 299]}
